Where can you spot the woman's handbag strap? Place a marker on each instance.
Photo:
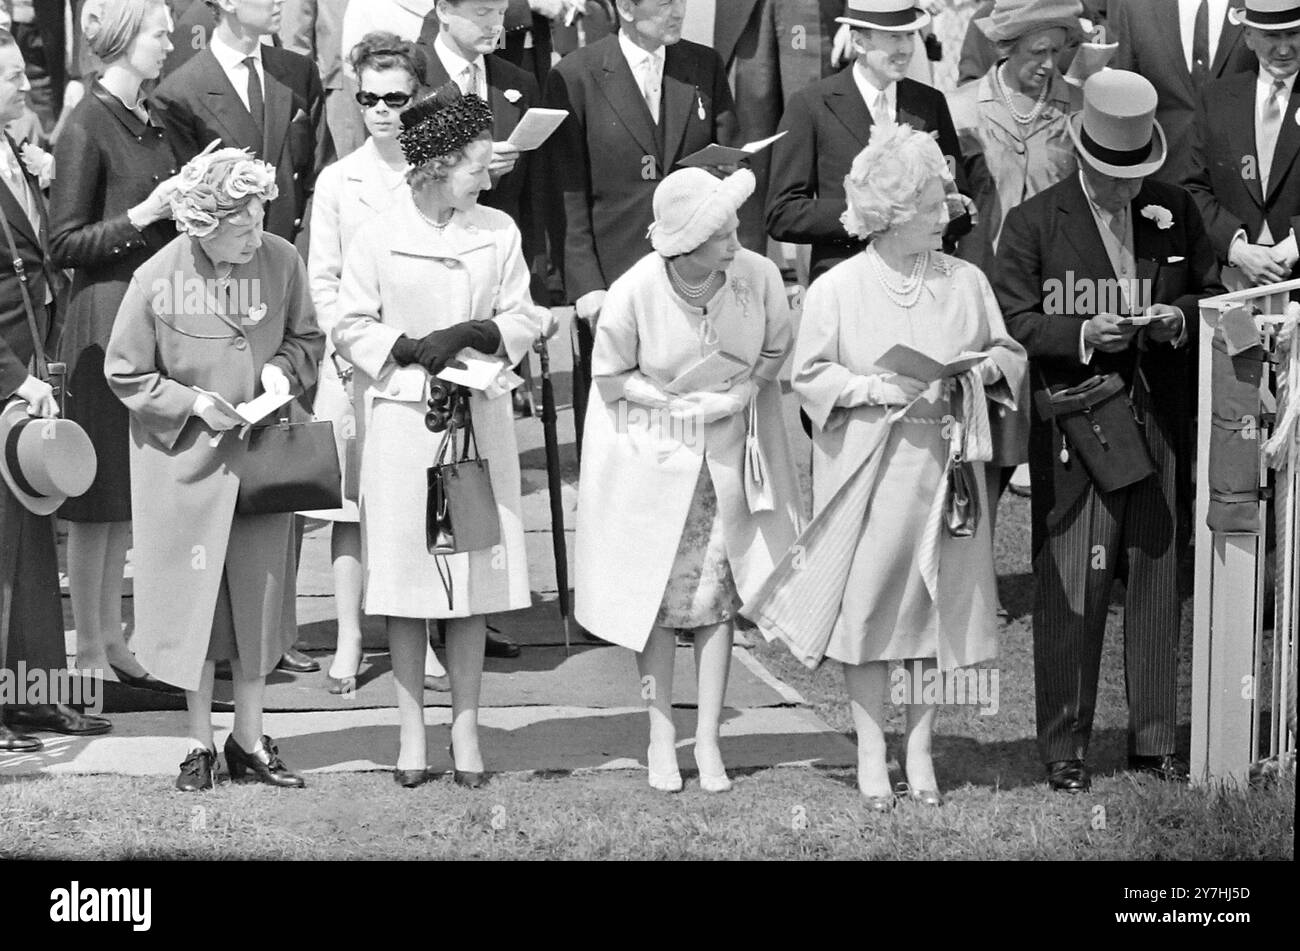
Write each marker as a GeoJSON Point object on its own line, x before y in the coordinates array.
{"type": "Point", "coordinates": [42, 370]}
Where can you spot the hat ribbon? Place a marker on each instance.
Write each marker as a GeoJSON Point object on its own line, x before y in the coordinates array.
{"type": "Point", "coordinates": [1115, 156]}
{"type": "Point", "coordinates": [15, 467]}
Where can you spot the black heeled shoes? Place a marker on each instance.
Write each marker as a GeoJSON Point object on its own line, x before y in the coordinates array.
{"type": "Point", "coordinates": [410, 778]}
{"type": "Point", "coordinates": [198, 771]}
{"type": "Point", "coordinates": [463, 777]}
{"type": "Point", "coordinates": [273, 772]}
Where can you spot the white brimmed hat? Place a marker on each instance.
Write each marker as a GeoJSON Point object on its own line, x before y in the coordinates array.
{"type": "Point", "coordinates": [690, 205]}
{"type": "Point", "coordinates": [1116, 132]}
{"type": "Point", "coordinates": [43, 461]}
{"type": "Point", "coordinates": [902, 16]}
{"type": "Point", "coordinates": [1267, 14]}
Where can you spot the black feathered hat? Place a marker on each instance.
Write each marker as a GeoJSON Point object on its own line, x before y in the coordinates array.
{"type": "Point", "coordinates": [443, 122]}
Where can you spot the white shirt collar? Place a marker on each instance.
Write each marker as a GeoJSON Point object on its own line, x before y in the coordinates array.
{"type": "Point", "coordinates": [227, 56]}
{"type": "Point", "coordinates": [870, 93]}
{"type": "Point", "coordinates": [1187, 26]}
{"type": "Point", "coordinates": [635, 55]}
{"type": "Point", "coordinates": [453, 62]}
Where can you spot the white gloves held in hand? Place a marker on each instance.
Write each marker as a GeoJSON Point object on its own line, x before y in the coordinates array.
{"type": "Point", "coordinates": [708, 407]}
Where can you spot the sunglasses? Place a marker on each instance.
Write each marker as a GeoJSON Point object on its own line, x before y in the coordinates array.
{"type": "Point", "coordinates": [394, 100]}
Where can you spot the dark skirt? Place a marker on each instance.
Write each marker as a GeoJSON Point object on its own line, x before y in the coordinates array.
{"type": "Point", "coordinates": [101, 414]}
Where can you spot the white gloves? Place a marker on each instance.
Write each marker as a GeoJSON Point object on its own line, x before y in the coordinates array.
{"type": "Point", "coordinates": [274, 380]}
{"type": "Point", "coordinates": [217, 419]}
{"type": "Point", "coordinates": [989, 371]}
{"type": "Point", "coordinates": [890, 389]}
{"type": "Point", "coordinates": [708, 407]}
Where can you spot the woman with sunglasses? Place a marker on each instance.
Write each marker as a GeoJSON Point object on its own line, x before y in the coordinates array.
{"type": "Point", "coordinates": [348, 193]}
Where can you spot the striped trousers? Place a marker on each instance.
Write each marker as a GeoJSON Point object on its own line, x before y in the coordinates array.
{"type": "Point", "coordinates": [1131, 532]}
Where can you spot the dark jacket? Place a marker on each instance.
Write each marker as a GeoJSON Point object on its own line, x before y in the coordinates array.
{"type": "Point", "coordinates": [1051, 248]}
{"type": "Point", "coordinates": [828, 124]}
{"type": "Point", "coordinates": [108, 161]}
{"type": "Point", "coordinates": [609, 155]}
{"type": "Point", "coordinates": [1224, 171]}
{"type": "Point", "coordinates": [16, 347]}
{"type": "Point", "coordinates": [1150, 43]}
{"type": "Point", "coordinates": [198, 104]}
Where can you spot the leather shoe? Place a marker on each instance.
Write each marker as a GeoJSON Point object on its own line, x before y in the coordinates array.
{"type": "Point", "coordinates": [1167, 767]}
{"type": "Point", "coordinates": [463, 777]}
{"type": "Point", "coordinates": [498, 645]}
{"type": "Point", "coordinates": [56, 718]}
{"type": "Point", "coordinates": [198, 771]}
{"type": "Point", "coordinates": [410, 778]}
{"type": "Point", "coordinates": [11, 742]}
{"type": "Point", "coordinates": [295, 661]}
{"type": "Point", "coordinates": [1068, 775]}
{"type": "Point", "coordinates": [881, 804]}
{"type": "Point", "coordinates": [146, 682]}
{"type": "Point", "coordinates": [273, 772]}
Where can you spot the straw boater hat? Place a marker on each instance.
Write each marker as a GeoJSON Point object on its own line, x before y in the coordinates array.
{"type": "Point", "coordinates": [44, 461]}
{"type": "Point", "coordinates": [902, 16]}
{"type": "Point", "coordinates": [690, 206]}
{"type": "Point", "coordinates": [1010, 19]}
{"type": "Point", "coordinates": [1116, 132]}
{"type": "Point", "coordinates": [1267, 14]}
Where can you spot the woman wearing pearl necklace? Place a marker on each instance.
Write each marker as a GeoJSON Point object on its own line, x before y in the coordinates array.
{"type": "Point", "coordinates": [912, 592]}
{"type": "Point", "coordinates": [668, 537]}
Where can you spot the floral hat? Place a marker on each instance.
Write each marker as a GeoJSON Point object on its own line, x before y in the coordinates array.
{"type": "Point", "coordinates": [216, 184]}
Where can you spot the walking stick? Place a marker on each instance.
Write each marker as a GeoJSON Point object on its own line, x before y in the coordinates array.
{"type": "Point", "coordinates": [554, 486]}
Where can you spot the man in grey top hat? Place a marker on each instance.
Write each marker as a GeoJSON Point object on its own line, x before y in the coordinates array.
{"type": "Point", "coordinates": [1102, 275]}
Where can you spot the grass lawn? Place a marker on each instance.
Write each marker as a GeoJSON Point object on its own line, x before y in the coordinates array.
{"type": "Point", "coordinates": [997, 805]}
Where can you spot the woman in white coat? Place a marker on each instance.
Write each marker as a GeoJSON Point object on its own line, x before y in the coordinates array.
{"type": "Point", "coordinates": [349, 193]}
{"type": "Point", "coordinates": [667, 537]}
{"type": "Point", "coordinates": [434, 274]}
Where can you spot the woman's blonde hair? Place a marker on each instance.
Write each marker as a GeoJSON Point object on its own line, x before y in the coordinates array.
{"type": "Point", "coordinates": [109, 26]}
{"type": "Point", "coordinates": [888, 177]}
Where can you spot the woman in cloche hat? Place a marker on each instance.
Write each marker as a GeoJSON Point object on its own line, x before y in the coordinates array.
{"type": "Point", "coordinates": [688, 494]}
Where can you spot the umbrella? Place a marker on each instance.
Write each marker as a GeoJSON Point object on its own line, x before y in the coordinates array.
{"type": "Point", "coordinates": [553, 485]}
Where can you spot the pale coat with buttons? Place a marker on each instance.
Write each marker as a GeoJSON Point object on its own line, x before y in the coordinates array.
{"type": "Point", "coordinates": [401, 276]}
{"type": "Point", "coordinates": [348, 194]}
{"type": "Point", "coordinates": [172, 334]}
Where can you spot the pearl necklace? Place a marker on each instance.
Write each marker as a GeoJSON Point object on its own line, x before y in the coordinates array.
{"type": "Point", "coordinates": [435, 225]}
{"type": "Point", "coordinates": [909, 292]}
{"type": "Point", "coordinates": [691, 292]}
{"type": "Point", "coordinates": [1022, 118]}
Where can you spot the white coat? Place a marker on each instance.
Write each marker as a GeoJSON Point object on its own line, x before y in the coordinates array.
{"type": "Point", "coordinates": [348, 194]}
{"type": "Point", "coordinates": [401, 276]}
{"type": "Point", "coordinates": [639, 470]}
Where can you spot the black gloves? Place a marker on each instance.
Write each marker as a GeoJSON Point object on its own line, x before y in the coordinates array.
{"type": "Point", "coordinates": [438, 349]}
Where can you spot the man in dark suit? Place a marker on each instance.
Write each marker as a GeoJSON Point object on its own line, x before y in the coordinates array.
{"type": "Point", "coordinates": [1242, 172]}
{"type": "Point", "coordinates": [1179, 45]}
{"type": "Point", "coordinates": [527, 40]}
{"type": "Point", "coordinates": [612, 150]}
{"type": "Point", "coordinates": [31, 612]}
{"type": "Point", "coordinates": [1074, 258]}
{"type": "Point", "coordinates": [829, 123]}
{"type": "Point", "coordinates": [771, 49]}
{"type": "Point", "coordinates": [455, 39]}
{"type": "Point", "coordinates": [258, 97]}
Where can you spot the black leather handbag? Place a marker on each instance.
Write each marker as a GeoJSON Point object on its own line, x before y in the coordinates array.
{"type": "Point", "coordinates": [961, 510]}
{"type": "Point", "coordinates": [1099, 422]}
{"type": "Point", "coordinates": [290, 467]}
{"type": "Point", "coordinates": [461, 509]}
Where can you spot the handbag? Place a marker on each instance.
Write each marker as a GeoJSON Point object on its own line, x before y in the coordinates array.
{"type": "Point", "coordinates": [1099, 420]}
{"type": "Point", "coordinates": [758, 488]}
{"type": "Point", "coordinates": [460, 509]}
{"type": "Point", "coordinates": [961, 505]}
{"type": "Point", "coordinates": [290, 467]}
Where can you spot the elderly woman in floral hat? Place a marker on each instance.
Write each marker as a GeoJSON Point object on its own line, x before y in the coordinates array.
{"type": "Point", "coordinates": [219, 316]}
{"type": "Point", "coordinates": [688, 493]}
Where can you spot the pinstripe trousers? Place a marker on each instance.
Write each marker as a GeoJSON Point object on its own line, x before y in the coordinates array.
{"type": "Point", "coordinates": [1130, 532]}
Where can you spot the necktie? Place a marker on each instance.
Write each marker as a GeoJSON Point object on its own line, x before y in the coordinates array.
{"type": "Point", "coordinates": [650, 87]}
{"type": "Point", "coordinates": [882, 107]}
{"type": "Point", "coordinates": [471, 79]}
{"type": "Point", "coordinates": [1270, 123]}
{"type": "Point", "coordinates": [1201, 44]}
{"type": "Point", "coordinates": [256, 107]}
